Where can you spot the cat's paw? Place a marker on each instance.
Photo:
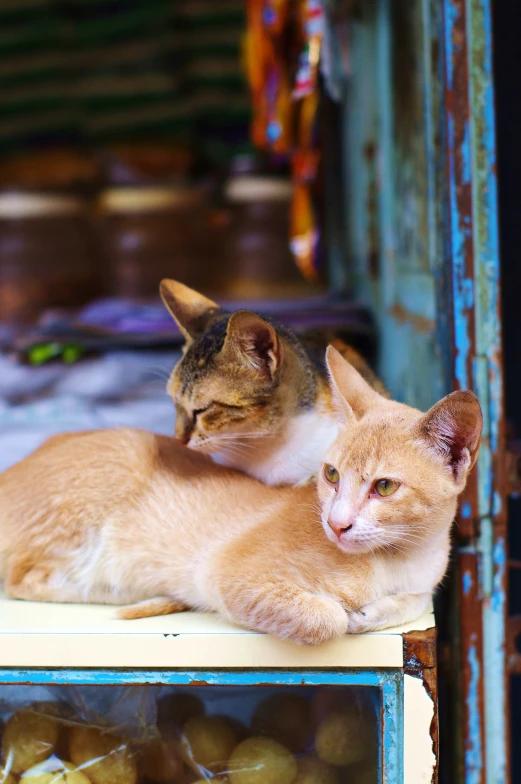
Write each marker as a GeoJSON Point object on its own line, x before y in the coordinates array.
{"type": "Point", "coordinates": [365, 619]}
{"type": "Point", "coordinates": [324, 620]}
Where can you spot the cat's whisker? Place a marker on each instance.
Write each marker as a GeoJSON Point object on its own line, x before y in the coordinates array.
{"type": "Point", "coordinates": [229, 441]}
{"type": "Point", "coordinates": [228, 445]}
{"type": "Point", "coordinates": [159, 372]}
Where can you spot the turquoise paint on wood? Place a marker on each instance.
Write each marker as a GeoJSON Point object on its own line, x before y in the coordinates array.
{"type": "Point", "coordinates": [390, 114]}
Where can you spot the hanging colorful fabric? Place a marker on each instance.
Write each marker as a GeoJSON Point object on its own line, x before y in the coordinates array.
{"type": "Point", "coordinates": [285, 107]}
{"type": "Point", "coordinates": [305, 163]}
{"type": "Point", "coordinates": [306, 155]}
{"type": "Point", "coordinates": [268, 75]}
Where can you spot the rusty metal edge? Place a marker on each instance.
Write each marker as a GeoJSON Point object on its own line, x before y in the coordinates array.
{"type": "Point", "coordinates": [420, 661]}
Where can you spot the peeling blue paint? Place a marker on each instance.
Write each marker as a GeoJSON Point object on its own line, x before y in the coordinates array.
{"type": "Point", "coordinates": [451, 17]}
{"type": "Point", "coordinates": [486, 545]}
{"type": "Point", "coordinates": [462, 340]}
{"type": "Point", "coordinates": [494, 663]}
{"type": "Point", "coordinates": [486, 479]}
{"type": "Point", "coordinates": [392, 717]}
{"type": "Point", "coordinates": [490, 385]}
{"type": "Point", "coordinates": [500, 562]}
{"type": "Point", "coordinates": [473, 750]}
{"type": "Point", "coordinates": [231, 677]}
{"type": "Point", "coordinates": [465, 156]}
{"type": "Point", "coordinates": [467, 582]}
{"type": "Point", "coordinates": [466, 510]}
{"type": "Point", "coordinates": [495, 394]}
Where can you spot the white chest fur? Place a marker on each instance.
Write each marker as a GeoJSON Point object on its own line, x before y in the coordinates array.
{"type": "Point", "coordinates": [420, 572]}
{"type": "Point", "coordinates": [293, 456]}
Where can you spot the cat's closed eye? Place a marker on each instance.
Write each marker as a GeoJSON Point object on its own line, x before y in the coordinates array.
{"type": "Point", "coordinates": [386, 487]}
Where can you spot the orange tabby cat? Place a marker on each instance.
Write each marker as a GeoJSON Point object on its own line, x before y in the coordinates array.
{"type": "Point", "coordinates": [127, 517]}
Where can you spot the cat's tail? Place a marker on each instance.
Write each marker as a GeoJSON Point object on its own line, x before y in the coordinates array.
{"type": "Point", "coordinates": [159, 605]}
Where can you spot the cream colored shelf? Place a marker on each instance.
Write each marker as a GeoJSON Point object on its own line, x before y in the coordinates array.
{"type": "Point", "coordinates": [67, 635]}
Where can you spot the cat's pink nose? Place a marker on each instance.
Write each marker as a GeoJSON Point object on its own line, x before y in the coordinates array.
{"type": "Point", "coordinates": [339, 529]}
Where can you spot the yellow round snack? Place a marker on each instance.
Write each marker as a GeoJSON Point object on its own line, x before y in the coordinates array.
{"type": "Point", "coordinates": [315, 771]}
{"type": "Point", "coordinates": [208, 742]}
{"type": "Point", "coordinates": [174, 710]}
{"type": "Point", "coordinates": [54, 771]}
{"type": "Point", "coordinates": [159, 761]}
{"type": "Point", "coordinates": [284, 717]}
{"type": "Point", "coordinates": [29, 738]}
{"type": "Point", "coordinates": [262, 761]}
{"type": "Point", "coordinates": [114, 761]}
{"type": "Point", "coordinates": [6, 778]}
{"type": "Point", "coordinates": [345, 737]}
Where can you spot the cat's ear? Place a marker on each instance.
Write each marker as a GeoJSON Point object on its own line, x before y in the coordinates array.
{"type": "Point", "coordinates": [351, 392]}
{"type": "Point", "coordinates": [192, 311]}
{"type": "Point", "coordinates": [255, 342]}
{"type": "Point", "coordinates": [453, 429]}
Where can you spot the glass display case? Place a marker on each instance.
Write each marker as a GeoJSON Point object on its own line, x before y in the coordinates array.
{"type": "Point", "coordinates": [187, 697]}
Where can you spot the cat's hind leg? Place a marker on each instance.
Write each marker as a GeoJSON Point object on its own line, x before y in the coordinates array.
{"type": "Point", "coordinates": [159, 605]}
{"type": "Point", "coordinates": [45, 580]}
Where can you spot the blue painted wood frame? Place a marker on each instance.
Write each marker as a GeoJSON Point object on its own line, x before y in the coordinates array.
{"type": "Point", "coordinates": [389, 682]}
{"type": "Point", "coordinates": [472, 234]}
{"type": "Point", "coordinates": [422, 249]}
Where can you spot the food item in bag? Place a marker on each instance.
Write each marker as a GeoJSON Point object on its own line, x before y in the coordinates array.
{"type": "Point", "coordinates": [284, 717]}
{"type": "Point", "coordinates": [29, 738]}
{"type": "Point", "coordinates": [262, 761]}
{"type": "Point", "coordinates": [312, 770]}
{"type": "Point", "coordinates": [345, 737]}
{"type": "Point", "coordinates": [103, 757]}
{"type": "Point", "coordinates": [240, 729]}
{"type": "Point", "coordinates": [6, 778]}
{"type": "Point", "coordinates": [207, 742]}
{"type": "Point", "coordinates": [54, 771]}
{"type": "Point", "coordinates": [174, 710]}
{"type": "Point", "coordinates": [159, 761]}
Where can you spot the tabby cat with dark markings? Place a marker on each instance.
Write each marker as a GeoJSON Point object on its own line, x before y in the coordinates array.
{"type": "Point", "coordinates": [250, 393]}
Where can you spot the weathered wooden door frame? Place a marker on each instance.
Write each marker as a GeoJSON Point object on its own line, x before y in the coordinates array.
{"type": "Point", "coordinates": [473, 260]}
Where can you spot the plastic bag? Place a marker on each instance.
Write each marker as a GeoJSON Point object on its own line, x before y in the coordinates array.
{"type": "Point", "coordinates": [170, 735]}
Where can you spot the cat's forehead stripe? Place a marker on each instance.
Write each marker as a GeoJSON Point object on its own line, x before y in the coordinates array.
{"type": "Point", "coordinates": [196, 363]}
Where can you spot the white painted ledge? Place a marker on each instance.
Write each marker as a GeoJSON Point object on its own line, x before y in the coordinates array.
{"type": "Point", "coordinates": [68, 635]}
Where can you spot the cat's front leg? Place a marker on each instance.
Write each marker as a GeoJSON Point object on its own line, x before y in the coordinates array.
{"type": "Point", "coordinates": [284, 610]}
{"type": "Point", "coordinates": [388, 611]}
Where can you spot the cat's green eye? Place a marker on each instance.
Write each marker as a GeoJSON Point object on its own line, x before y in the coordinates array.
{"type": "Point", "coordinates": [385, 487]}
{"type": "Point", "coordinates": [331, 474]}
